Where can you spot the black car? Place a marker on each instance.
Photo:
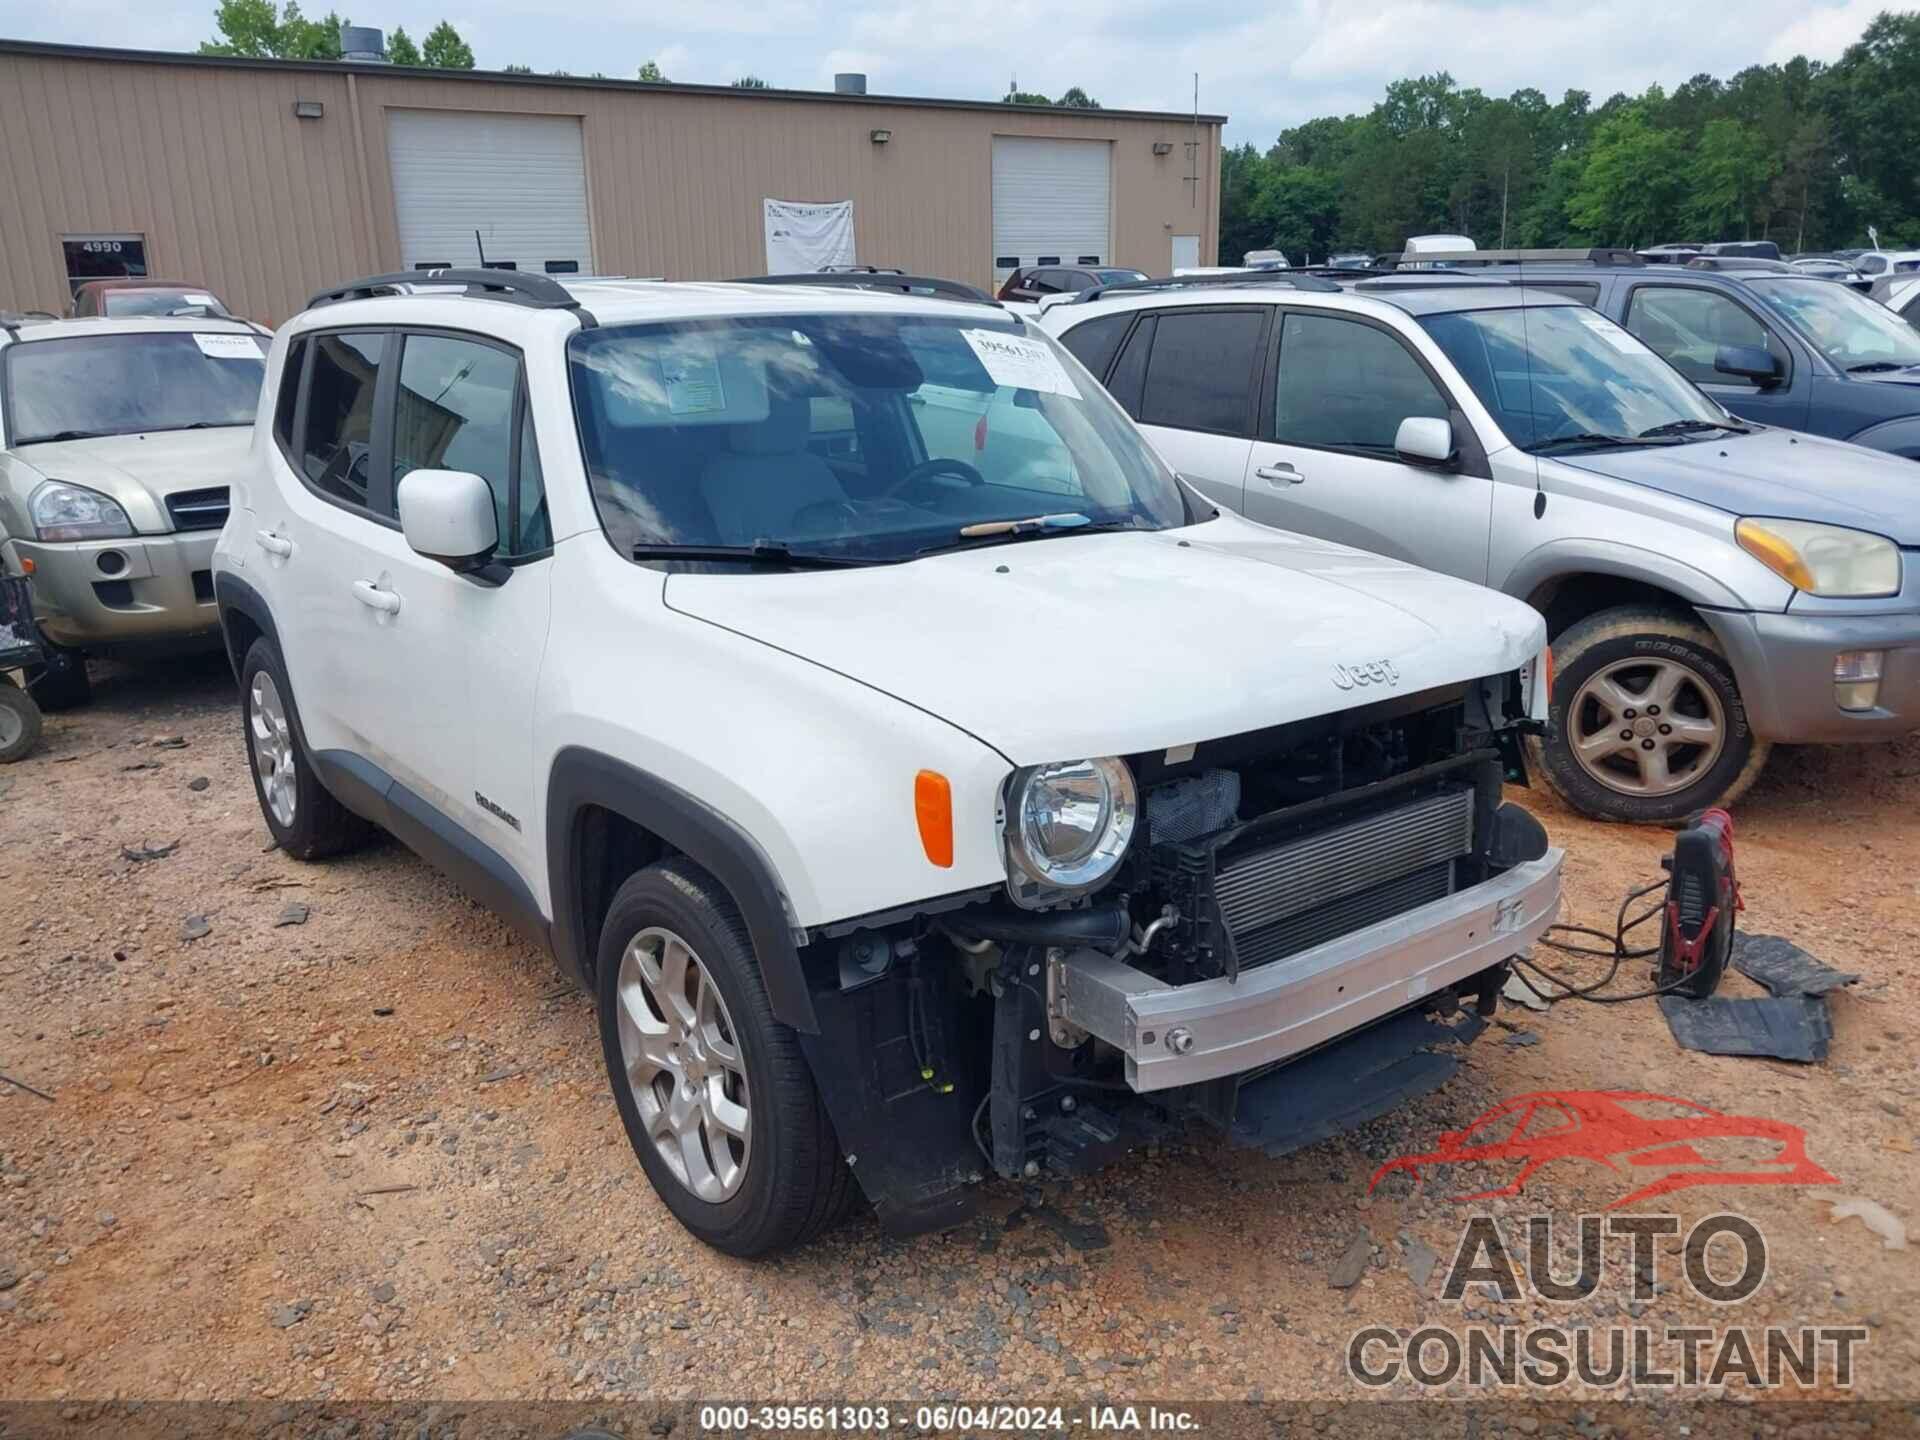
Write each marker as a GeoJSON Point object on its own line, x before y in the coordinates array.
{"type": "Point", "coordinates": [1033, 281]}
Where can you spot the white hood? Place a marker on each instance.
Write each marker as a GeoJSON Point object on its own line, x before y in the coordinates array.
{"type": "Point", "coordinates": [1107, 644]}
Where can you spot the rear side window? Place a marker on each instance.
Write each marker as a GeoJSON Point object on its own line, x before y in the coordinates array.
{"type": "Point", "coordinates": [1346, 386]}
{"type": "Point", "coordinates": [287, 403]}
{"type": "Point", "coordinates": [1094, 343]}
{"type": "Point", "coordinates": [336, 446]}
{"type": "Point", "coordinates": [1201, 372]}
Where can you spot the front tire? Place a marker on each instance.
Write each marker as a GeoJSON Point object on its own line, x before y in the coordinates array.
{"type": "Point", "coordinates": [304, 818]}
{"type": "Point", "coordinates": [716, 1097]}
{"type": "Point", "coordinates": [19, 722]}
{"type": "Point", "coordinates": [1648, 723]}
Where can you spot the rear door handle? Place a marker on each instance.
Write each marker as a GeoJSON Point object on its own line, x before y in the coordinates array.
{"type": "Point", "coordinates": [1279, 474]}
{"type": "Point", "coordinates": [273, 544]}
{"type": "Point", "coordinates": [374, 598]}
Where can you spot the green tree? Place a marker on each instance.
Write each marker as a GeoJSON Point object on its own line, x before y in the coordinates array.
{"type": "Point", "coordinates": [254, 29]}
{"type": "Point", "coordinates": [750, 82]}
{"type": "Point", "coordinates": [1872, 97]}
{"type": "Point", "coordinates": [1298, 212]}
{"type": "Point", "coordinates": [516, 69]}
{"type": "Point", "coordinates": [1732, 169]}
{"type": "Point", "coordinates": [1630, 183]}
{"type": "Point", "coordinates": [651, 73]}
{"type": "Point", "coordinates": [1024, 97]}
{"type": "Point", "coordinates": [445, 50]}
{"type": "Point", "coordinates": [400, 47]}
{"type": "Point", "coordinates": [1077, 99]}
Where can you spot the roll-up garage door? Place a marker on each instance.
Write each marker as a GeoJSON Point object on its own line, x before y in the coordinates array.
{"type": "Point", "coordinates": [1051, 202]}
{"type": "Point", "coordinates": [520, 180]}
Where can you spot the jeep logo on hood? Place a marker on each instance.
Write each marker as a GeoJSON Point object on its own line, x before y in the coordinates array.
{"type": "Point", "coordinates": [1370, 672]}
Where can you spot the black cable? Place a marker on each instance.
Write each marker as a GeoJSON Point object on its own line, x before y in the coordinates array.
{"type": "Point", "coordinates": [1617, 952]}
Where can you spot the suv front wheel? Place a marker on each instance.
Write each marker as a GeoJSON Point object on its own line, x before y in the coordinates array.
{"type": "Point", "coordinates": [716, 1097]}
{"type": "Point", "coordinates": [304, 818]}
{"type": "Point", "coordinates": [1648, 725]}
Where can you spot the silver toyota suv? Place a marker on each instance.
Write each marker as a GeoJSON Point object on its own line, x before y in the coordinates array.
{"type": "Point", "coordinates": [1710, 585]}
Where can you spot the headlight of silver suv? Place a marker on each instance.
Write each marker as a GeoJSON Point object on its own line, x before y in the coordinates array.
{"type": "Point", "coordinates": [1069, 824]}
{"type": "Point", "coordinates": [1823, 559]}
{"type": "Point", "coordinates": [60, 511]}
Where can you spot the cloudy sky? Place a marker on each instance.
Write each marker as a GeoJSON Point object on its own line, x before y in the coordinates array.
{"type": "Point", "coordinates": [1267, 65]}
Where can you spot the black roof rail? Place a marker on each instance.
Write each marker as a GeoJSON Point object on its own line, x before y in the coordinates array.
{"type": "Point", "coordinates": [12, 320]}
{"type": "Point", "coordinates": [515, 288]}
{"type": "Point", "coordinates": [879, 280]}
{"type": "Point", "coordinates": [1293, 279]}
{"type": "Point", "coordinates": [1428, 281]}
{"type": "Point", "coordinates": [1740, 262]}
{"type": "Point", "coordinates": [1474, 259]}
{"type": "Point", "coordinates": [861, 270]}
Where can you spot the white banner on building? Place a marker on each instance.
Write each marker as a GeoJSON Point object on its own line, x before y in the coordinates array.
{"type": "Point", "coordinates": [804, 237]}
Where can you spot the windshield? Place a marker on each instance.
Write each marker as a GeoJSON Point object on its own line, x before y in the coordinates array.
{"type": "Point", "coordinates": [1850, 329]}
{"type": "Point", "coordinates": [92, 385]}
{"type": "Point", "coordinates": [1554, 372]}
{"type": "Point", "coordinates": [132, 301]}
{"type": "Point", "coordinates": [870, 436]}
{"type": "Point", "coordinates": [1117, 277]}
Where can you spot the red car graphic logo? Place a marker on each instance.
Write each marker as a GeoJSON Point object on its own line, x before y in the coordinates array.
{"type": "Point", "coordinates": [1693, 1144]}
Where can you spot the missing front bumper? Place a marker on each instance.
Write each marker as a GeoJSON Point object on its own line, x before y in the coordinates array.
{"type": "Point", "coordinates": [1181, 1035]}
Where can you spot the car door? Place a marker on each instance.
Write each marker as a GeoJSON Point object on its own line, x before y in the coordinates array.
{"type": "Point", "coordinates": [1325, 462]}
{"type": "Point", "coordinates": [472, 644]}
{"type": "Point", "coordinates": [1188, 376]}
{"type": "Point", "coordinates": [1686, 325]}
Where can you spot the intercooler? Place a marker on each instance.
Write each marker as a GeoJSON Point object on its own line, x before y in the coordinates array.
{"type": "Point", "coordinates": [1282, 899]}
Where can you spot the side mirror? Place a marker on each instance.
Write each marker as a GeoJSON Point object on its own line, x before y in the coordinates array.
{"type": "Point", "coordinates": [1750, 362]}
{"type": "Point", "coordinates": [447, 515]}
{"type": "Point", "coordinates": [1423, 440]}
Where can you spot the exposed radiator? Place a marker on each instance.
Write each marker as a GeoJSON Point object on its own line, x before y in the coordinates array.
{"type": "Point", "coordinates": [1291, 896]}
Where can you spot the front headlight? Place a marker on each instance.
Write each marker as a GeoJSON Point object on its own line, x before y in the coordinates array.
{"type": "Point", "coordinates": [60, 511]}
{"type": "Point", "coordinates": [1823, 559]}
{"type": "Point", "coordinates": [1069, 824]}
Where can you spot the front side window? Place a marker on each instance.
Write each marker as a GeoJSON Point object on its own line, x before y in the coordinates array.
{"type": "Point", "coordinates": [711, 433]}
{"type": "Point", "coordinates": [1557, 375]}
{"type": "Point", "coordinates": [1857, 334]}
{"type": "Point", "coordinates": [454, 411]}
{"type": "Point", "coordinates": [1344, 385]}
{"type": "Point", "coordinates": [336, 445]}
{"type": "Point", "coordinates": [85, 386]}
{"type": "Point", "coordinates": [1688, 327]}
{"type": "Point", "coordinates": [1202, 368]}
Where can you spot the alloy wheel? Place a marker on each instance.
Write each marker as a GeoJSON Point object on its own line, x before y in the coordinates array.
{"type": "Point", "coordinates": [683, 1062]}
{"type": "Point", "coordinates": [1646, 727]}
{"type": "Point", "coordinates": [273, 758]}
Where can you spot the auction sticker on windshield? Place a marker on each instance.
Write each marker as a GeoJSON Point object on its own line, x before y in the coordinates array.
{"type": "Point", "coordinates": [227, 347]}
{"type": "Point", "coordinates": [1606, 330]}
{"type": "Point", "coordinates": [1021, 364]}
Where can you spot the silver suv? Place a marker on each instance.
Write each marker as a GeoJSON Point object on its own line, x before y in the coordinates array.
{"type": "Point", "coordinates": [1710, 585]}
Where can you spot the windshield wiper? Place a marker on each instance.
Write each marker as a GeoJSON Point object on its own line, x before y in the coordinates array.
{"type": "Point", "coordinates": [761, 552]}
{"type": "Point", "coordinates": [59, 435]}
{"type": "Point", "coordinates": [1037, 527]}
{"type": "Point", "coordinates": [1590, 437]}
{"type": "Point", "coordinates": [1693, 427]}
{"type": "Point", "coordinates": [1879, 365]}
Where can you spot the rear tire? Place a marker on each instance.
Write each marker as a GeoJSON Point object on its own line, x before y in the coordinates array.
{"type": "Point", "coordinates": [1648, 724]}
{"type": "Point", "coordinates": [62, 682]}
{"type": "Point", "coordinates": [701, 1049]}
{"type": "Point", "coordinates": [19, 722]}
{"type": "Point", "coordinates": [304, 818]}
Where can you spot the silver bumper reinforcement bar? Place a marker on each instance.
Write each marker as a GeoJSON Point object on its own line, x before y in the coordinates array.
{"type": "Point", "coordinates": [1177, 1035]}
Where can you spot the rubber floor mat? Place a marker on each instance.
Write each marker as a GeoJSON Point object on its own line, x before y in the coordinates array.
{"type": "Point", "coordinates": [1784, 1028]}
{"type": "Point", "coordinates": [1783, 967]}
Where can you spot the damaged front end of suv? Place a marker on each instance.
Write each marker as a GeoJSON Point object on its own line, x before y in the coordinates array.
{"type": "Point", "coordinates": [1281, 934]}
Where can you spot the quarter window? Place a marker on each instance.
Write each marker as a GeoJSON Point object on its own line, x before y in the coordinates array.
{"type": "Point", "coordinates": [454, 411]}
{"type": "Point", "coordinates": [1094, 343]}
{"type": "Point", "coordinates": [287, 402]}
{"type": "Point", "coordinates": [532, 526]}
{"type": "Point", "coordinates": [1687, 327]}
{"type": "Point", "coordinates": [336, 446]}
{"type": "Point", "coordinates": [1347, 386]}
{"type": "Point", "coordinates": [1202, 368]}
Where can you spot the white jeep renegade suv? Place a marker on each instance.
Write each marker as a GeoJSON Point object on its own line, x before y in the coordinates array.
{"type": "Point", "coordinates": [924, 780]}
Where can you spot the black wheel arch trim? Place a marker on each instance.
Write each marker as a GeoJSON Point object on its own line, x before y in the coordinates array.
{"type": "Point", "coordinates": [230, 594]}
{"type": "Point", "coordinates": [472, 864]}
{"type": "Point", "coordinates": [581, 779]}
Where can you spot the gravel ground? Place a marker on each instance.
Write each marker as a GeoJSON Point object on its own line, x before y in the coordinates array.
{"type": "Point", "coordinates": [334, 1133]}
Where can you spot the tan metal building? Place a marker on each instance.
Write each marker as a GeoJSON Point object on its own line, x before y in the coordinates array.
{"type": "Point", "coordinates": [268, 180]}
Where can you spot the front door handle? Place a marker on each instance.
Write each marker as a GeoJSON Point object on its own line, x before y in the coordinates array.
{"type": "Point", "coordinates": [374, 598]}
{"type": "Point", "coordinates": [1282, 474]}
{"type": "Point", "coordinates": [273, 544]}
